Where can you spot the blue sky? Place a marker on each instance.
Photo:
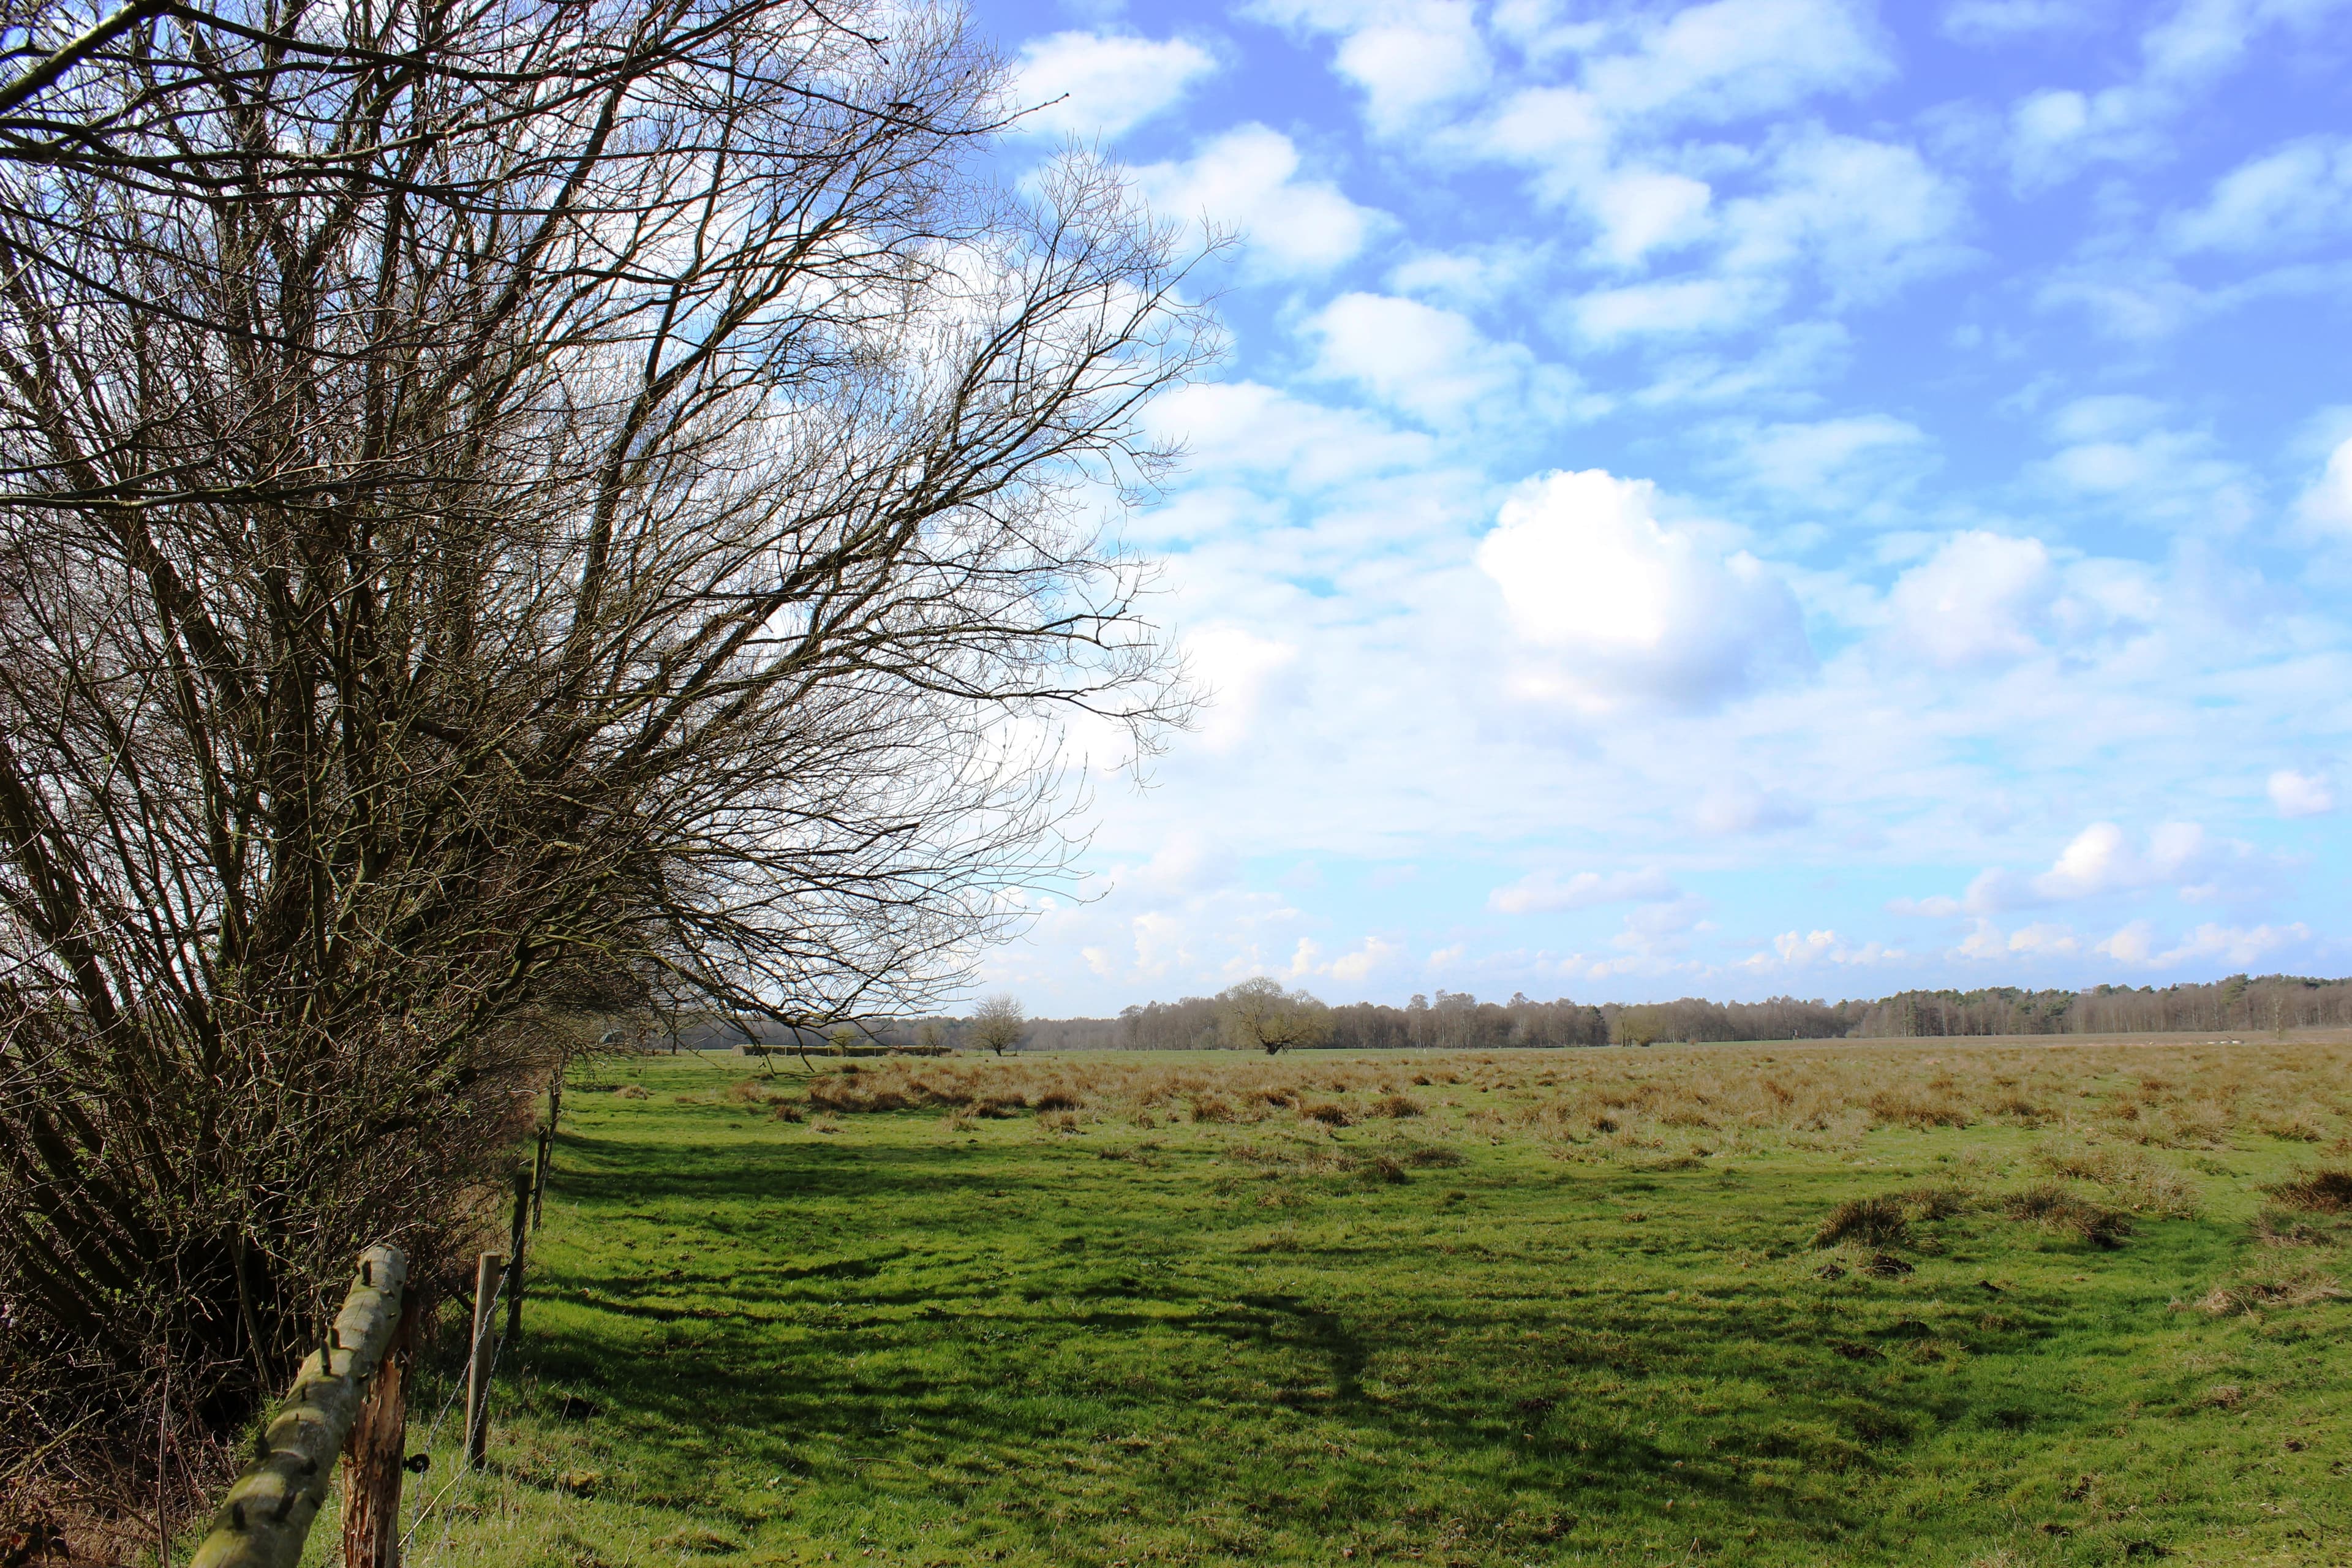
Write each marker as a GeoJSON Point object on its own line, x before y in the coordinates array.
{"type": "Point", "coordinates": [1781, 496]}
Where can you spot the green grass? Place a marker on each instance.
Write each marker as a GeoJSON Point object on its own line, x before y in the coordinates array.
{"type": "Point", "coordinates": [903, 1343]}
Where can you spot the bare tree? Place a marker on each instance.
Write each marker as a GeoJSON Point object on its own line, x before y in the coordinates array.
{"type": "Point", "coordinates": [506, 511]}
{"type": "Point", "coordinates": [1259, 1012]}
{"type": "Point", "coordinates": [996, 1025]}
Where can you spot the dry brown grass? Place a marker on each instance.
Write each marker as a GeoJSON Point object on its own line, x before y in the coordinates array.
{"type": "Point", "coordinates": [2103, 1102]}
{"type": "Point", "coordinates": [2321, 1192]}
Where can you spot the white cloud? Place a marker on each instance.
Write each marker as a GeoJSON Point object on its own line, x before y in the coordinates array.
{"type": "Point", "coordinates": [1248, 427]}
{"type": "Point", "coordinates": [1627, 608]}
{"type": "Point", "coordinates": [1861, 218]}
{"type": "Point", "coordinates": [1248, 178]}
{"type": "Point", "coordinates": [1735, 57]}
{"type": "Point", "coordinates": [1810, 459]}
{"type": "Point", "coordinates": [2296, 794]}
{"type": "Point", "coordinates": [1642, 210]}
{"type": "Point", "coordinates": [1792, 949]}
{"type": "Point", "coordinates": [1986, 941]}
{"type": "Point", "coordinates": [1435, 364]}
{"type": "Point", "coordinates": [1983, 22]}
{"type": "Point", "coordinates": [2325, 507]}
{"type": "Point", "coordinates": [2102, 860]}
{"type": "Point", "coordinates": [1868, 216]}
{"type": "Point", "coordinates": [1372, 957]}
{"type": "Point", "coordinates": [2136, 944]}
{"type": "Point", "coordinates": [1679, 308]}
{"type": "Point", "coordinates": [2058, 131]}
{"type": "Point", "coordinates": [2295, 197]}
{"type": "Point", "coordinates": [1738, 806]}
{"type": "Point", "coordinates": [1981, 599]}
{"type": "Point", "coordinates": [1106, 84]}
{"type": "Point", "coordinates": [1238, 668]}
{"type": "Point", "coordinates": [1545, 892]}
{"type": "Point", "coordinates": [1408, 56]}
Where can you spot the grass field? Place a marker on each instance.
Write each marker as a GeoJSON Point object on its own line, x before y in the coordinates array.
{"type": "Point", "coordinates": [1538, 1308]}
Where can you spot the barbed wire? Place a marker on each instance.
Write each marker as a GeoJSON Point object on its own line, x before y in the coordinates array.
{"type": "Point", "coordinates": [489, 1325]}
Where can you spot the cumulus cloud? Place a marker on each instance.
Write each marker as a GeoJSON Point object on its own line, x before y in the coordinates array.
{"type": "Point", "coordinates": [1868, 216]}
{"type": "Point", "coordinates": [2238, 947]}
{"type": "Point", "coordinates": [1434, 363]}
{"type": "Point", "coordinates": [1545, 892]}
{"type": "Point", "coordinates": [1625, 607]}
{"type": "Point", "coordinates": [1248, 427]}
{"type": "Point", "coordinates": [1861, 218]}
{"type": "Point", "coordinates": [2056, 133]}
{"type": "Point", "coordinates": [2043, 938]}
{"type": "Point", "coordinates": [2325, 509]}
{"type": "Point", "coordinates": [1734, 57]}
{"type": "Point", "coordinates": [1408, 56]}
{"type": "Point", "coordinates": [1825, 458]}
{"type": "Point", "coordinates": [1981, 599]}
{"type": "Point", "coordinates": [2290, 199]}
{"type": "Point", "coordinates": [1792, 949]}
{"type": "Point", "coordinates": [2102, 860]}
{"type": "Point", "coordinates": [1095, 84]}
{"type": "Point", "coordinates": [2297, 793]}
{"type": "Point", "coordinates": [1248, 178]}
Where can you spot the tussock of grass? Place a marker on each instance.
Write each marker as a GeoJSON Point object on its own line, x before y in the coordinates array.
{"type": "Point", "coordinates": [2057, 1208]}
{"type": "Point", "coordinates": [2275, 1287]}
{"type": "Point", "coordinates": [1904, 1109]}
{"type": "Point", "coordinates": [1873, 1222]}
{"type": "Point", "coordinates": [1396, 1106]}
{"type": "Point", "coordinates": [2321, 1192]}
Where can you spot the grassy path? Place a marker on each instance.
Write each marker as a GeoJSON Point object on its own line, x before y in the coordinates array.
{"type": "Point", "coordinates": [917, 1341]}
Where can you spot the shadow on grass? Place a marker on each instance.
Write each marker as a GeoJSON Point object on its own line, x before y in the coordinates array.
{"type": "Point", "coordinates": [784, 1366]}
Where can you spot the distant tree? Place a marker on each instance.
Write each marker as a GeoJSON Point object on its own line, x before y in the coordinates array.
{"type": "Point", "coordinates": [1259, 1012]}
{"type": "Point", "coordinates": [930, 1034]}
{"type": "Point", "coordinates": [1638, 1025]}
{"type": "Point", "coordinates": [996, 1025]}
{"type": "Point", "coordinates": [840, 1038]}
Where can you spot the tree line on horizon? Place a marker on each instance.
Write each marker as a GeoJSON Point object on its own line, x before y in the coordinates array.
{"type": "Point", "coordinates": [1457, 1020]}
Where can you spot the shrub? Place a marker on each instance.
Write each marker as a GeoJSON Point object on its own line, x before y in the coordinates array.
{"type": "Point", "coordinates": [1873, 1222]}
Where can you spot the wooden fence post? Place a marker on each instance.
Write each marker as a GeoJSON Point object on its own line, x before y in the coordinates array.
{"type": "Point", "coordinates": [266, 1514]}
{"type": "Point", "coordinates": [373, 1458]}
{"type": "Point", "coordinates": [487, 1269]}
{"type": "Point", "coordinates": [514, 1256]}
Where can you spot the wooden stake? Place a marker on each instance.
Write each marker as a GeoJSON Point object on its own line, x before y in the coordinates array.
{"type": "Point", "coordinates": [266, 1514]}
{"type": "Point", "coordinates": [487, 1269]}
{"type": "Point", "coordinates": [373, 1455]}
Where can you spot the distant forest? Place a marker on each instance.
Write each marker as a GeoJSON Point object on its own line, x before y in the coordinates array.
{"type": "Point", "coordinates": [1456, 1020]}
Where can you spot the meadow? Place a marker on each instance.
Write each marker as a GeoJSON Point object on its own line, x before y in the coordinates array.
{"type": "Point", "coordinates": [1945, 1302]}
